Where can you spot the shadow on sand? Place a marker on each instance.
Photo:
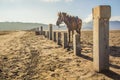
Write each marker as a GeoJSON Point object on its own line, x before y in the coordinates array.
{"type": "Point", "coordinates": [114, 66]}
{"type": "Point", "coordinates": [85, 57]}
{"type": "Point", "coordinates": [111, 74]}
{"type": "Point", "coordinates": [115, 51]}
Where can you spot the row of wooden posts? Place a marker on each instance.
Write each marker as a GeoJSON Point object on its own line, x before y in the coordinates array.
{"type": "Point", "coordinates": [101, 15]}
{"type": "Point", "coordinates": [61, 38]}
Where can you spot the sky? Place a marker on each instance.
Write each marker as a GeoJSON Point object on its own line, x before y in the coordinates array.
{"type": "Point", "coordinates": [45, 11]}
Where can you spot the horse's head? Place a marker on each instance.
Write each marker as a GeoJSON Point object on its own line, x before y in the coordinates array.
{"type": "Point", "coordinates": [60, 18]}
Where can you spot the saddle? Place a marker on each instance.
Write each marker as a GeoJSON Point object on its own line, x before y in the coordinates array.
{"type": "Point", "coordinates": [74, 20]}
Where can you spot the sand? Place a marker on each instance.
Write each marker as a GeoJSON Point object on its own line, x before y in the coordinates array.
{"type": "Point", "coordinates": [26, 56]}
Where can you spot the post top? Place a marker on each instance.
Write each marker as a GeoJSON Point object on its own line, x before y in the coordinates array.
{"type": "Point", "coordinates": [102, 11]}
{"type": "Point", "coordinates": [50, 24]}
{"type": "Point", "coordinates": [99, 6]}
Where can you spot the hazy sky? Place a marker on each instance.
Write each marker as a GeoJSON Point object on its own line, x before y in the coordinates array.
{"type": "Point", "coordinates": [45, 11]}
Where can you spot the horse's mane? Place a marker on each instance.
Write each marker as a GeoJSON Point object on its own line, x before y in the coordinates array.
{"type": "Point", "coordinates": [69, 16]}
{"type": "Point", "coordinates": [69, 19]}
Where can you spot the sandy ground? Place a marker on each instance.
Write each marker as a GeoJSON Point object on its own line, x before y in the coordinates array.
{"type": "Point", "coordinates": [25, 56]}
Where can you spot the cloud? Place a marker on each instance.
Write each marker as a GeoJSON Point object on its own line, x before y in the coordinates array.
{"type": "Point", "coordinates": [68, 0]}
{"type": "Point", "coordinates": [88, 19]}
{"type": "Point", "coordinates": [50, 0]}
{"type": "Point", "coordinates": [115, 18]}
{"type": "Point", "coordinates": [56, 0]}
{"type": "Point", "coordinates": [47, 1]}
{"type": "Point", "coordinates": [10, 1]}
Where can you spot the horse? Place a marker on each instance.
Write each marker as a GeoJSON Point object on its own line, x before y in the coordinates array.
{"type": "Point", "coordinates": [72, 23]}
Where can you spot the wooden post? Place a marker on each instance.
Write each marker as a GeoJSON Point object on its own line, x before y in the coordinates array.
{"type": "Point", "coordinates": [48, 34]}
{"type": "Point", "coordinates": [41, 30]}
{"type": "Point", "coordinates": [59, 38]}
{"type": "Point", "coordinates": [101, 15]}
{"type": "Point", "coordinates": [45, 34]}
{"type": "Point", "coordinates": [76, 44]}
{"type": "Point", "coordinates": [64, 40]}
{"type": "Point", "coordinates": [54, 36]}
{"type": "Point", "coordinates": [37, 32]}
{"type": "Point", "coordinates": [50, 31]}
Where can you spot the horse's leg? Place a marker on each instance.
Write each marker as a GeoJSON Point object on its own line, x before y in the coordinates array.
{"type": "Point", "coordinates": [80, 32]}
{"type": "Point", "coordinates": [72, 33]}
{"type": "Point", "coordinates": [69, 36]}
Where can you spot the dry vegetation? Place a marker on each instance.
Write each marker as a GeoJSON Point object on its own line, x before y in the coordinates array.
{"type": "Point", "coordinates": [5, 32]}
{"type": "Point", "coordinates": [25, 56]}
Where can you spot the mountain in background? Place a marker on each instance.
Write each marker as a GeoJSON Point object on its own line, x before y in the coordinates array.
{"type": "Point", "coordinates": [114, 25]}
{"type": "Point", "coordinates": [26, 26]}
{"type": "Point", "coordinates": [19, 25]}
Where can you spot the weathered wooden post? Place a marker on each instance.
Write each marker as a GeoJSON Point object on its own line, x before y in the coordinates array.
{"type": "Point", "coordinates": [101, 15]}
{"type": "Point", "coordinates": [37, 32]}
{"type": "Point", "coordinates": [54, 36]}
{"type": "Point", "coordinates": [64, 40]}
{"type": "Point", "coordinates": [48, 34]}
{"type": "Point", "coordinates": [76, 44]}
{"type": "Point", "coordinates": [50, 31]}
{"type": "Point", "coordinates": [45, 34]}
{"type": "Point", "coordinates": [41, 30]}
{"type": "Point", "coordinates": [59, 38]}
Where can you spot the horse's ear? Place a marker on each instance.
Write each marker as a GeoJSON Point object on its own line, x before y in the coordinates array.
{"type": "Point", "coordinates": [70, 15]}
{"type": "Point", "coordinates": [59, 13]}
{"type": "Point", "coordinates": [64, 14]}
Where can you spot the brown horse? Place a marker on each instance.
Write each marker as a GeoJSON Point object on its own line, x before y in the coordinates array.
{"type": "Point", "coordinates": [73, 23]}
